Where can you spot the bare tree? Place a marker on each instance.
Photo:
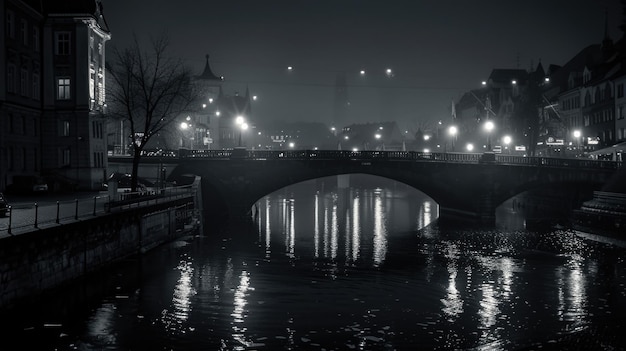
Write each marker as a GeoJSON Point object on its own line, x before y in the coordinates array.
{"type": "Point", "coordinates": [149, 90]}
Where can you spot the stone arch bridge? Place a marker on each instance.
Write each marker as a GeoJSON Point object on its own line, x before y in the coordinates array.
{"type": "Point", "coordinates": [468, 186]}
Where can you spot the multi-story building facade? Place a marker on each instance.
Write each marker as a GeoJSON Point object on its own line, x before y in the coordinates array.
{"type": "Point", "coordinates": [21, 91]}
{"type": "Point", "coordinates": [54, 98]}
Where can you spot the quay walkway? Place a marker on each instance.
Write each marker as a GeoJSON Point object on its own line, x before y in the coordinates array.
{"type": "Point", "coordinates": [33, 213]}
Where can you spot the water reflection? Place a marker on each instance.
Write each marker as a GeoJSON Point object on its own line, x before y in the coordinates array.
{"type": "Point", "coordinates": [174, 321]}
{"type": "Point", "coordinates": [335, 270]}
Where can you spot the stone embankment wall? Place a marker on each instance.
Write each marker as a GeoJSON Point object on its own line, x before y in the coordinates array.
{"type": "Point", "coordinates": [33, 262]}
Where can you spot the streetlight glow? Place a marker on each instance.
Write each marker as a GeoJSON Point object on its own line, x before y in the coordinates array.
{"type": "Point", "coordinates": [507, 139]}
{"type": "Point", "coordinates": [452, 130]}
{"type": "Point", "coordinates": [577, 134]}
{"type": "Point", "coordinates": [470, 147]}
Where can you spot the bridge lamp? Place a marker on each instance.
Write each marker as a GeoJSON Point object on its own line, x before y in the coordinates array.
{"type": "Point", "coordinates": [292, 145]}
{"type": "Point", "coordinates": [577, 135]}
{"type": "Point", "coordinates": [489, 126]}
{"type": "Point", "coordinates": [377, 136]}
{"type": "Point", "coordinates": [452, 130]}
{"type": "Point", "coordinates": [426, 137]}
{"type": "Point", "coordinates": [469, 147]}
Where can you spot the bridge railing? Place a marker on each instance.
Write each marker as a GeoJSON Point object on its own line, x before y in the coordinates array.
{"type": "Point", "coordinates": [27, 216]}
{"type": "Point", "coordinates": [394, 155]}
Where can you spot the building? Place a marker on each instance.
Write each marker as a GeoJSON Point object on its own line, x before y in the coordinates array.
{"type": "Point", "coordinates": [53, 102]}
{"type": "Point", "coordinates": [204, 130]}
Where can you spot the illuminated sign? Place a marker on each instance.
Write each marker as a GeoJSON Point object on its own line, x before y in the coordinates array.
{"type": "Point", "coordinates": [554, 141]}
{"type": "Point", "coordinates": [520, 148]}
{"type": "Point", "coordinates": [593, 141]}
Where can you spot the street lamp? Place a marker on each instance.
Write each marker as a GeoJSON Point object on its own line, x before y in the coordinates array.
{"type": "Point", "coordinates": [577, 135]}
{"type": "Point", "coordinates": [507, 140]}
{"type": "Point", "coordinates": [489, 127]}
{"type": "Point", "coordinates": [452, 131]}
{"type": "Point", "coordinates": [470, 147]}
{"type": "Point", "coordinates": [241, 123]}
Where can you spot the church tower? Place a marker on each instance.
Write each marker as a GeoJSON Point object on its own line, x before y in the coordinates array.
{"type": "Point", "coordinates": [204, 128]}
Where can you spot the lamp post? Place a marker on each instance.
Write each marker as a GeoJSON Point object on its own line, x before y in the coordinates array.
{"type": "Point", "coordinates": [241, 123]}
{"type": "Point", "coordinates": [184, 126]}
{"type": "Point", "coordinates": [377, 136]}
{"type": "Point", "coordinates": [507, 141]}
{"type": "Point", "coordinates": [577, 135]}
{"type": "Point", "coordinates": [452, 131]}
{"type": "Point", "coordinates": [489, 127]}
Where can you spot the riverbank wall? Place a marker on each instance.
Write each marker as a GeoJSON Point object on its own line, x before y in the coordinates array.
{"type": "Point", "coordinates": [34, 262]}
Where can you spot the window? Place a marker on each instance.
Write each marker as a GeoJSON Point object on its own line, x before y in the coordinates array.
{"type": "Point", "coordinates": [35, 159]}
{"type": "Point", "coordinates": [24, 86]}
{"type": "Point", "coordinates": [36, 38]}
{"type": "Point", "coordinates": [10, 158]}
{"type": "Point", "coordinates": [620, 90]}
{"type": "Point", "coordinates": [24, 32]}
{"type": "Point", "coordinates": [36, 87]}
{"type": "Point", "coordinates": [64, 157]}
{"type": "Point", "coordinates": [64, 128]}
{"type": "Point", "coordinates": [24, 158]}
{"type": "Point", "coordinates": [62, 43]}
{"type": "Point", "coordinates": [11, 24]}
{"type": "Point", "coordinates": [11, 78]}
{"type": "Point", "coordinates": [620, 112]}
{"type": "Point", "coordinates": [63, 88]}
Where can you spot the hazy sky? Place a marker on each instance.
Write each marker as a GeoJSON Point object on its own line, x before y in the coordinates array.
{"type": "Point", "coordinates": [437, 49]}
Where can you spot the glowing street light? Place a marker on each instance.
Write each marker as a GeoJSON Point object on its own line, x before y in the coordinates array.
{"type": "Point", "coordinates": [507, 140]}
{"type": "Point", "coordinates": [489, 126]}
{"type": "Point", "coordinates": [577, 134]}
{"type": "Point", "coordinates": [469, 147]}
{"type": "Point", "coordinates": [452, 130]}
{"type": "Point", "coordinates": [241, 123]}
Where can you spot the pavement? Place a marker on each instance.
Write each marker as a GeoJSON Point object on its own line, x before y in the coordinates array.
{"type": "Point", "coordinates": [33, 212]}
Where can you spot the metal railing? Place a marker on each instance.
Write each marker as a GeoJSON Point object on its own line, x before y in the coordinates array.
{"type": "Point", "coordinates": [399, 156]}
{"type": "Point", "coordinates": [35, 215]}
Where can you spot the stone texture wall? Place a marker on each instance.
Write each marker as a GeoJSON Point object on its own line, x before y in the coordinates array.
{"type": "Point", "coordinates": [34, 262]}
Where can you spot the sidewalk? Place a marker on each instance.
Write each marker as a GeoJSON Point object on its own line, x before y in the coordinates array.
{"type": "Point", "coordinates": [28, 201]}
{"type": "Point", "coordinates": [30, 213]}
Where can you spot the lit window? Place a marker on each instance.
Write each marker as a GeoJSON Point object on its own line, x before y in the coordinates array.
{"type": "Point", "coordinates": [63, 88]}
{"type": "Point", "coordinates": [64, 128]}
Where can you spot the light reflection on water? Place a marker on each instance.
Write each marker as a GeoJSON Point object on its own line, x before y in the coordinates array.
{"type": "Point", "coordinates": [363, 268]}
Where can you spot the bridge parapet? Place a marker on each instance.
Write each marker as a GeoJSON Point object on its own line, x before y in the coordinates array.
{"type": "Point", "coordinates": [386, 155]}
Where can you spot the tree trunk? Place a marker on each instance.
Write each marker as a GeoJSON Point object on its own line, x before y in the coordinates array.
{"type": "Point", "coordinates": [135, 171]}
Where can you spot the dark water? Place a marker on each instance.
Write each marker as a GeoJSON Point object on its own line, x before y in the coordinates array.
{"type": "Point", "coordinates": [362, 269]}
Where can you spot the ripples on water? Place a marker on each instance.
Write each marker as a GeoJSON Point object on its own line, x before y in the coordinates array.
{"type": "Point", "coordinates": [365, 269]}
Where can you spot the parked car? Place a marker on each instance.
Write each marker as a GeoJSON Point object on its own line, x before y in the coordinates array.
{"type": "Point", "coordinates": [4, 205]}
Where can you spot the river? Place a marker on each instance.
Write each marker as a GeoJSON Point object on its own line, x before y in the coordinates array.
{"type": "Point", "coordinates": [364, 268]}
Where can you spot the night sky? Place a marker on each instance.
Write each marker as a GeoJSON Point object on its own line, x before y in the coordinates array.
{"type": "Point", "coordinates": [437, 49]}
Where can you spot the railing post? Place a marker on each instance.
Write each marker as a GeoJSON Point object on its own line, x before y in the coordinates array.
{"type": "Point", "coordinates": [76, 211]}
{"type": "Point", "coordinates": [57, 220]}
{"type": "Point", "coordinates": [10, 218]}
{"type": "Point", "coordinates": [36, 213]}
{"type": "Point", "coordinates": [94, 205]}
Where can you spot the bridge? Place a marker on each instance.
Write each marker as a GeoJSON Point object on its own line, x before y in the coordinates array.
{"type": "Point", "coordinates": [464, 185]}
